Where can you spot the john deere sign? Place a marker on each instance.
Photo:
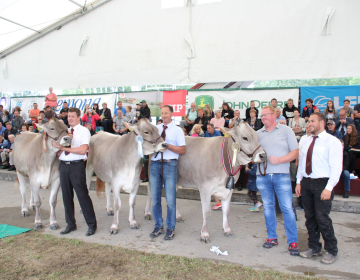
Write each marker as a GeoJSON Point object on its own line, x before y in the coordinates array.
{"type": "Point", "coordinates": [202, 100]}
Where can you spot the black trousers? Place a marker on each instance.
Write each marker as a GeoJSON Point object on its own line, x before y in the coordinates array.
{"type": "Point", "coordinates": [352, 158]}
{"type": "Point", "coordinates": [146, 166]}
{"type": "Point", "coordinates": [317, 215]}
{"type": "Point", "coordinates": [73, 177]}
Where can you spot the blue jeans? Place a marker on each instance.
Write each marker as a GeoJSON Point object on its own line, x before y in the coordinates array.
{"type": "Point", "coordinates": [346, 176]}
{"type": "Point", "coordinates": [281, 184]}
{"type": "Point", "coordinates": [170, 178]}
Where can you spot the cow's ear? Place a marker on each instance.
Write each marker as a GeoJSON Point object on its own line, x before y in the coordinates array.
{"type": "Point", "coordinates": [228, 130]}
{"type": "Point", "coordinates": [132, 127]}
{"type": "Point", "coordinates": [39, 125]}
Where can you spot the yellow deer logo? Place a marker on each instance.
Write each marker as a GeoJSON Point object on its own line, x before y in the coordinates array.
{"type": "Point", "coordinates": [202, 105]}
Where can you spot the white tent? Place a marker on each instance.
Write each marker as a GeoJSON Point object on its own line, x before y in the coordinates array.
{"type": "Point", "coordinates": [129, 42]}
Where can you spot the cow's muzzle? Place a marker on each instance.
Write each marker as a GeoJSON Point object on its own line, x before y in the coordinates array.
{"type": "Point", "coordinates": [65, 141]}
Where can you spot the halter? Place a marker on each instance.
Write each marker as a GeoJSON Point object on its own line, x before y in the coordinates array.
{"type": "Point", "coordinates": [57, 137]}
{"type": "Point", "coordinates": [152, 142]}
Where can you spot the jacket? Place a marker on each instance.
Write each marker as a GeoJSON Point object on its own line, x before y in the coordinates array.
{"type": "Point", "coordinates": [247, 113]}
{"type": "Point", "coordinates": [288, 113]}
{"type": "Point", "coordinates": [346, 161]}
{"type": "Point", "coordinates": [145, 112]}
{"type": "Point", "coordinates": [204, 122]}
{"type": "Point", "coordinates": [12, 131]}
{"type": "Point", "coordinates": [305, 111]}
{"type": "Point", "coordinates": [336, 134]}
{"type": "Point", "coordinates": [17, 123]}
{"type": "Point", "coordinates": [258, 124]}
{"type": "Point", "coordinates": [229, 114]}
{"type": "Point", "coordinates": [338, 123]}
{"type": "Point", "coordinates": [107, 113]}
{"type": "Point", "coordinates": [94, 118]}
{"type": "Point", "coordinates": [251, 183]}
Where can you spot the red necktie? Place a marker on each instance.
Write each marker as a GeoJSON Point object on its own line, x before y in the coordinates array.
{"type": "Point", "coordinates": [163, 134]}
{"type": "Point", "coordinates": [72, 132]}
{"type": "Point", "coordinates": [308, 167]}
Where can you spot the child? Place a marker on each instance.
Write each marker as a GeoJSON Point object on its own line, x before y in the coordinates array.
{"type": "Point", "coordinates": [23, 128]}
{"type": "Point", "coordinates": [251, 186]}
{"type": "Point", "coordinates": [129, 115]}
{"type": "Point", "coordinates": [138, 107]}
{"type": "Point", "coordinates": [31, 128]}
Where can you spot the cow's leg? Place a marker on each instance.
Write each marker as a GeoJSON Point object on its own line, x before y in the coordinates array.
{"type": "Point", "coordinates": [205, 197]}
{"type": "Point", "coordinates": [179, 219]}
{"type": "Point", "coordinates": [148, 203]}
{"type": "Point", "coordinates": [55, 185]}
{"type": "Point", "coordinates": [22, 183]}
{"type": "Point", "coordinates": [89, 172]}
{"type": "Point", "coordinates": [132, 200]}
{"type": "Point", "coordinates": [109, 210]}
{"type": "Point", "coordinates": [117, 204]}
{"type": "Point", "coordinates": [226, 210]}
{"type": "Point", "coordinates": [37, 199]}
{"type": "Point", "coordinates": [32, 203]}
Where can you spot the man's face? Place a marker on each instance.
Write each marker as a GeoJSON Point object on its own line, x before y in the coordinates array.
{"type": "Point", "coordinates": [210, 129]}
{"type": "Point", "coordinates": [193, 106]}
{"type": "Point", "coordinates": [252, 104]}
{"type": "Point", "coordinates": [35, 106]}
{"type": "Point", "coordinates": [237, 114]}
{"type": "Point", "coordinates": [166, 115]}
{"type": "Point", "coordinates": [314, 125]}
{"type": "Point", "coordinates": [290, 103]}
{"type": "Point", "coordinates": [88, 126]}
{"type": "Point", "coordinates": [308, 104]}
{"type": "Point", "coordinates": [65, 105]}
{"type": "Point", "coordinates": [277, 111]}
{"type": "Point", "coordinates": [331, 127]}
{"type": "Point", "coordinates": [342, 115]}
{"type": "Point", "coordinates": [73, 119]}
{"type": "Point", "coordinates": [16, 114]}
{"type": "Point", "coordinates": [346, 104]}
{"type": "Point", "coordinates": [273, 103]}
{"type": "Point", "coordinates": [120, 114]}
{"type": "Point", "coordinates": [268, 117]}
{"type": "Point", "coordinates": [8, 127]}
{"type": "Point", "coordinates": [11, 138]}
{"type": "Point", "coordinates": [51, 90]}
{"type": "Point", "coordinates": [119, 104]}
{"type": "Point", "coordinates": [48, 109]}
{"type": "Point", "coordinates": [63, 115]}
{"type": "Point", "coordinates": [143, 105]}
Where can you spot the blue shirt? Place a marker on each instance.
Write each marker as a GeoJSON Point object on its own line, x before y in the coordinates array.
{"type": "Point", "coordinates": [337, 134]}
{"type": "Point", "coordinates": [2, 129]}
{"type": "Point", "coordinates": [216, 133]}
{"type": "Point", "coordinates": [122, 109]}
{"type": "Point", "coordinates": [281, 117]}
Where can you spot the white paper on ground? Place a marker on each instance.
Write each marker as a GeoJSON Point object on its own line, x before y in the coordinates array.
{"type": "Point", "coordinates": [217, 251]}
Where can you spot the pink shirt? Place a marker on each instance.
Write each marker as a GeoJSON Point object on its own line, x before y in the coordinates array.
{"type": "Point", "coordinates": [218, 122]}
{"type": "Point", "coordinates": [51, 103]}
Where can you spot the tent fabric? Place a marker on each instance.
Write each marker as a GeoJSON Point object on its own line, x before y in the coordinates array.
{"type": "Point", "coordinates": [138, 42]}
{"type": "Point", "coordinates": [7, 230]}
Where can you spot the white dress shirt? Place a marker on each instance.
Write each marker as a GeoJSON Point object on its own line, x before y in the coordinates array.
{"type": "Point", "coordinates": [327, 159]}
{"type": "Point", "coordinates": [81, 136]}
{"type": "Point", "coordinates": [174, 136]}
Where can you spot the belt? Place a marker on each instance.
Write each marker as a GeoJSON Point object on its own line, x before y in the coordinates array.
{"type": "Point", "coordinates": [316, 179]}
{"type": "Point", "coordinates": [71, 162]}
{"type": "Point", "coordinates": [166, 160]}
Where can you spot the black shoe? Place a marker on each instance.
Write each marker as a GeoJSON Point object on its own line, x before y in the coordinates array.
{"type": "Point", "coordinates": [170, 234]}
{"type": "Point", "coordinates": [145, 180]}
{"type": "Point", "coordinates": [12, 168]}
{"type": "Point", "coordinates": [91, 231]}
{"type": "Point", "coordinates": [239, 187]}
{"type": "Point", "coordinates": [6, 166]}
{"type": "Point", "coordinates": [346, 194]}
{"type": "Point", "coordinates": [157, 231]}
{"type": "Point", "coordinates": [67, 230]}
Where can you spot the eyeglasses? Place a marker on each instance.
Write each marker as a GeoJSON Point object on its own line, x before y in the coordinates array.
{"type": "Point", "coordinates": [265, 115]}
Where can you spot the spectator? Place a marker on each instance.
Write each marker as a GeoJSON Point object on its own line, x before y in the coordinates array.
{"type": "Point", "coordinates": [6, 116]}
{"type": "Point", "coordinates": [34, 113]}
{"type": "Point", "coordinates": [317, 110]}
{"type": "Point", "coordinates": [345, 174]}
{"type": "Point", "coordinates": [17, 121]}
{"type": "Point", "coordinates": [9, 130]}
{"type": "Point", "coordinates": [89, 127]}
{"type": "Point", "coordinates": [250, 169]}
{"type": "Point", "coordinates": [208, 112]}
{"type": "Point", "coordinates": [283, 122]}
{"type": "Point", "coordinates": [218, 121]}
{"type": "Point", "coordinates": [3, 143]}
{"type": "Point", "coordinates": [51, 100]}
{"type": "Point", "coordinates": [42, 119]}
{"type": "Point", "coordinates": [331, 130]}
{"type": "Point", "coordinates": [144, 111]}
{"type": "Point", "coordinates": [105, 117]}
{"type": "Point", "coordinates": [63, 117]}
{"type": "Point", "coordinates": [297, 124]}
{"type": "Point", "coordinates": [348, 110]}
{"type": "Point", "coordinates": [90, 117]}
{"type": "Point", "coordinates": [65, 108]}
{"type": "Point", "coordinates": [190, 117]}
{"type": "Point", "coordinates": [129, 115]}
{"type": "Point", "coordinates": [2, 129]}
{"type": "Point", "coordinates": [196, 131]}
{"type": "Point", "coordinates": [119, 127]}
{"type": "Point", "coordinates": [24, 128]}
{"type": "Point", "coordinates": [160, 121]}
{"type": "Point", "coordinates": [289, 108]}
{"type": "Point", "coordinates": [227, 113]}
{"type": "Point", "coordinates": [21, 113]}
{"type": "Point", "coordinates": [96, 108]}
{"type": "Point", "coordinates": [6, 155]}
{"type": "Point", "coordinates": [278, 114]}
{"type": "Point", "coordinates": [86, 107]}
{"type": "Point", "coordinates": [49, 113]}
{"type": "Point", "coordinates": [202, 119]}
{"type": "Point", "coordinates": [253, 121]}
{"type": "Point", "coordinates": [138, 110]}
{"type": "Point", "coordinates": [185, 132]}
{"type": "Point", "coordinates": [236, 120]}
{"type": "Point", "coordinates": [1, 111]}
{"type": "Point", "coordinates": [352, 145]}
{"type": "Point", "coordinates": [252, 107]}
{"type": "Point", "coordinates": [308, 109]}
{"type": "Point", "coordinates": [211, 131]}
{"type": "Point", "coordinates": [342, 122]}
{"type": "Point", "coordinates": [119, 107]}
{"type": "Point", "coordinates": [31, 128]}
{"type": "Point", "coordinates": [357, 114]}
{"type": "Point", "coordinates": [273, 103]}
{"type": "Point", "coordinates": [330, 111]}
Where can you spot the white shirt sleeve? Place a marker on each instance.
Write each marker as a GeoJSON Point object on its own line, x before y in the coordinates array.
{"type": "Point", "coordinates": [335, 164]}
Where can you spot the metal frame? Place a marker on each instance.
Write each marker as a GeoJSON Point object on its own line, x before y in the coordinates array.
{"type": "Point", "coordinates": [19, 24]}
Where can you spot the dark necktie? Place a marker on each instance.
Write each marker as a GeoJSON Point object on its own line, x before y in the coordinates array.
{"type": "Point", "coordinates": [72, 132]}
{"type": "Point", "coordinates": [308, 167]}
{"type": "Point", "coordinates": [342, 129]}
{"type": "Point", "coordinates": [163, 134]}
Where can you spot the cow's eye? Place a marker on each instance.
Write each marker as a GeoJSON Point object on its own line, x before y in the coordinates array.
{"type": "Point", "coordinates": [147, 133]}
{"type": "Point", "coordinates": [245, 138]}
{"type": "Point", "coordinates": [52, 128]}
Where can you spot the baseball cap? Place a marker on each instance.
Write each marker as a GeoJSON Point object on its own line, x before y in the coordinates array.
{"type": "Point", "coordinates": [143, 101]}
{"type": "Point", "coordinates": [138, 104]}
{"type": "Point", "coordinates": [331, 122]}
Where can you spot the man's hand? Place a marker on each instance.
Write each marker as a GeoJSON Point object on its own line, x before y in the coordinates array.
{"type": "Point", "coordinates": [343, 121]}
{"type": "Point", "coordinates": [236, 117]}
{"type": "Point", "coordinates": [57, 145]}
{"type": "Point", "coordinates": [274, 160]}
{"type": "Point", "coordinates": [298, 189]}
{"type": "Point", "coordinates": [306, 119]}
{"type": "Point", "coordinates": [247, 168]}
{"type": "Point", "coordinates": [59, 152]}
{"type": "Point", "coordinates": [325, 195]}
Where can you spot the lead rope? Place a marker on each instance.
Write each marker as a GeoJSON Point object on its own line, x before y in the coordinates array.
{"type": "Point", "coordinates": [265, 165]}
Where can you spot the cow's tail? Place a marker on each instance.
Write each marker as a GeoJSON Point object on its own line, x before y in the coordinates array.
{"type": "Point", "coordinates": [17, 183]}
{"type": "Point", "coordinates": [100, 186]}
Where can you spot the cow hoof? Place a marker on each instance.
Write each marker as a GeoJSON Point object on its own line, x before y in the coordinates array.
{"type": "Point", "coordinates": [25, 214]}
{"type": "Point", "coordinates": [113, 231]}
{"type": "Point", "coordinates": [54, 226]}
{"type": "Point", "coordinates": [180, 220]}
{"type": "Point", "coordinates": [33, 208]}
{"type": "Point", "coordinates": [134, 226]}
{"type": "Point", "coordinates": [110, 213]}
{"type": "Point", "coordinates": [38, 226]}
{"type": "Point", "coordinates": [148, 217]}
{"type": "Point", "coordinates": [205, 239]}
{"type": "Point", "coordinates": [228, 234]}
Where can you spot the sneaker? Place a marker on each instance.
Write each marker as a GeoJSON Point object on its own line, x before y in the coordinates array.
{"type": "Point", "coordinates": [328, 258]}
{"type": "Point", "coordinates": [346, 195]}
{"type": "Point", "coordinates": [170, 234]}
{"type": "Point", "coordinates": [269, 243]}
{"type": "Point", "coordinates": [293, 249]}
{"type": "Point", "coordinates": [259, 205]}
{"type": "Point", "coordinates": [254, 209]}
{"type": "Point", "coordinates": [217, 207]}
{"type": "Point", "coordinates": [310, 253]}
{"type": "Point", "coordinates": [157, 231]}
{"type": "Point", "coordinates": [298, 208]}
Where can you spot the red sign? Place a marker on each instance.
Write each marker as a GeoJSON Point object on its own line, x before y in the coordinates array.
{"type": "Point", "coordinates": [177, 99]}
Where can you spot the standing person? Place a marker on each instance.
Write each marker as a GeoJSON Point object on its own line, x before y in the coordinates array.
{"type": "Point", "coordinates": [190, 117]}
{"type": "Point", "coordinates": [51, 99]}
{"type": "Point", "coordinates": [252, 107]}
{"type": "Point", "coordinates": [308, 109]}
{"type": "Point", "coordinates": [90, 117]}
{"type": "Point", "coordinates": [281, 146]}
{"type": "Point", "coordinates": [34, 113]}
{"type": "Point", "coordinates": [72, 174]}
{"type": "Point", "coordinates": [320, 166]}
{"type": "Point", "coordinates": [250, 169]}
{"type": "Point", "coordinates": [119, 107]}
{"type": "Point", "coordinates": [166, 171]}
{"type": "Point", "coordinates": [144, 111]}
{"type": "Point", "coordinates": [348, 110]}
{"type": "Point", "coordinates": [273, 103]}
{"type": "Point", "coordinates": [289, 108]}
{"type": "Point", "coordinates": [65, 107]}
{"type": "Point", "coordinates": [227, 113]}
{"type": "Point", "coordinates": [330, 111]}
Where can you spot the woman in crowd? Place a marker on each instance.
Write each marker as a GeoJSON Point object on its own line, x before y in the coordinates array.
{"type": "Point", "coordinates": [196, 131]}
{"type": "Point", "coordinates": [330, 111]}
{"type": "Point", "coordinates": [297, 124]}
{"type": "Point", "coordinates": [254, 122]}
{"type": "Point", "coordinates": [96, 108]}
{"type": "Point", "coordinates": [208, 112]}
{"type": "Point", "coordinates": [227, 113]}
{"type": "Point", "coordinates": [105, 117]}
{"type": "Point", "coordinates": [251, 186]}
{"type": "Point", "coordinates": [87, 106]}
{"type": "Point", "coordinates": [202, 119]}
{"type": "Point", "coordinates": [352, 145]}
{"type": "Point", "coordinates": [218, 121]}
{"type": "Point", "coordinates": [6, 116]}
{"type": "Point", "coordinates": [90, 117]}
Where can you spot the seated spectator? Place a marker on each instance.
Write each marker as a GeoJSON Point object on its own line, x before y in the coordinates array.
{"type": "Point", "coordinates": [289, 108]}
{"type": "Point", "coordinates": [348, 110]}
{"type": "Point", "coordinates": [211, 131]}
{"type": "Point", "coordinates": [185, 132]}
{"type": "Point", "coordinates": [31, 128]}
{"type": "Point", "coordinates": [3, 143]}
{"type": "Point", "coordinates": [297, 124]}
{"type": "Point", "coordinates": [208, 112]}
{"type": "Point", "coordinates": [253, 121]}
{"type": "Point", "coordinates": [283, 122]}
{"type": "Point", "coordinates": [331, 130]}
{"type": "Point", "coordinates": [21, 113]}
{"type": "Point", "coordinates": [278, 115]}
{"type": "Point", "coordinates": [6, 155]}
{"type": "Point", "coordinates": [202, 119]}
{"type": "Point", "coordinates": [345, 173]}
{"type": "Point", "coordinates": [227, 113]}
{"type": "Point", "coordinates": [218, 121]}
{"type": "Point", "coordinates": [236, 120]}
{"type": "Point", "coordinates": [160, 121]}
{"type": "Point", "coordinates": [144, 111]}
{"type": "Point", "coordinates": [273, 103]}
{"type": "Point", "coordinates": [90, 117]}
{"type": "Point", "coordinates": [65, 108]}
{"type": "Point", "coordinates": [34, 113]}
{"type": "Point", "coordinates": [105, 117]}
{"type": "Point", "coordinates": [64, 118]}
{"type": "Point", "coordinates": [357, 114]}
{"type": "Point", "coordinates": [317, 110]}
{"type": "Point", "coordinates": [119, 107]}
{"type": "Point", "coordinates": [196, 131]}
{"type": "Point", "coordinates": [342, 122]}
{"type": "Point", "coordinates": [17, 121]}
{"type": "Point", "coordinates": [49, 113]}
{"type": "Point", "coordinates": [330, 112]}
{"type": "Point", "coordinates": [9, 130]}
{"type": "Point", "coordinates": [137, 114]}
{"type": "Point", "coordinates": [119, 127]}
{"type": "Point", "coordinates": [352, 145]}
{"type": "Point", "coordinates": [308, 109]}
{"type": "Point", "coordinates": [190, 117]}
{"type": "Point", "coordinates": [251, 169]}
{"type": "Point", "coordinates": [2, 129]}
{"type": "Point", "coordinates": [89, 127]}
{"type": "Point", "coordinates": [24, 128]}
{"type": "Point", "coordinates": [96, 108]}
{"type": "Point", "coordinates": [6, 116]}
{"type": "Point", "coordinates": [1, 111]}
{"type": "Point", "coordinates": [252, 107]}
{"type": "Point", "coordinates": [42, 119]}
{"type": "Point", "coordinates": [129, 115]}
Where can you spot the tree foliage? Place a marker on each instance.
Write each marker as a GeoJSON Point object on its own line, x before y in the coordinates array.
{"type": "Point", "coordinates": [308, 82]}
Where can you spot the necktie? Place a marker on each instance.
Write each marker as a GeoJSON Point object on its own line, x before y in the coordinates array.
{"type": "Point", "coordinates": [342, 129]}
{"type": "Point", "coordinates": [163, 134]}
{"type": "Point", "coordinates": [308, 167]}
{"type": "Point", "coordinates": [72, 132]}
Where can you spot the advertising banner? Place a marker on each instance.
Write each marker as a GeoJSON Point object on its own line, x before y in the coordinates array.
{"type": "Point", "coordinates": [5, 102]}
{"type": "Point", "coordinates": [321, 95]}
{"type": "Point", "coordinates": [240, 99]}
{"type": "Point", "coordinates": [177, 99]}
{"type": "Point", "coordinates": [26, 103]}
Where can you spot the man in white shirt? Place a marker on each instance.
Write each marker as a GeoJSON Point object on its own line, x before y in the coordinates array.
{"type": "Point", "coordinates": [163, 169]}
{"type": "Point", "coordinates": [72, 174]}
{"type": "Point", "coordinates": [320, 167]}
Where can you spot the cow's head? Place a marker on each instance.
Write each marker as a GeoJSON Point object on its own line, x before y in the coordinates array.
{"type": "Point", "coordinates": [57, 131]}
{"type": "Point", "coordinates": [250, 149]}
{"type": "Point", "coordinates": [153, 142]}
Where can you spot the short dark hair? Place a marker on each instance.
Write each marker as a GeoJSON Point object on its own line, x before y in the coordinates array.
{"type": "Point", "coordinates": [65, 102]}
{"type": "Point", "coordinates": [34, 103]}
{"type": "Point", "coordinates": [211, 125]}
{"type": "Point", "coordinates": [41, 112]}
{"type": "Point", "coordinates": [170, 108]}
{"type": "Point", "coordinates": [320, 116]}
{"type": "Point", "coordinates": [273, 99]}
{"type": "Point", "coordinates": [1, 106]}
{"type": "Point", "coordinates": [62, 111]}
{"type": "Point", "coordinates": [76, 110]}
{"type": "Point", "coordinates": [310, 100]}
{"type": "Point", "coordinates": [160, 121]}
{"type": "Point", "coordinates": [346, 100]}
{"type": "Point", "coordinates": [297, 109]}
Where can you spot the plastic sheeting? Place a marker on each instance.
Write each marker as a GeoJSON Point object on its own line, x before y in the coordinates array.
{"type": "Point", "coordinates": [137, 42]}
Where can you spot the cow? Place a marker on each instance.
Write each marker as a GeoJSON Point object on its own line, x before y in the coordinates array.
{"type": "Point", "coordinates": [36, 158]}
{"type": "Point", "coordinates": [116, 161]}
